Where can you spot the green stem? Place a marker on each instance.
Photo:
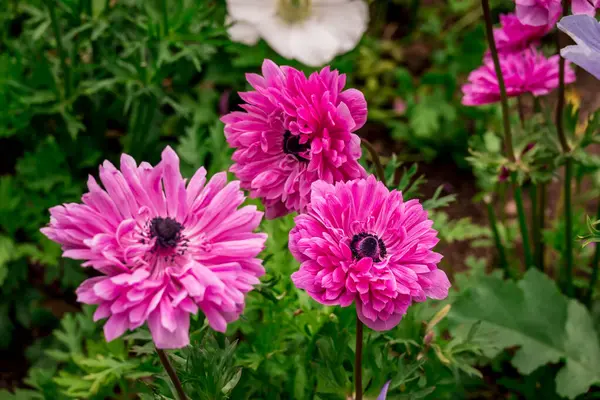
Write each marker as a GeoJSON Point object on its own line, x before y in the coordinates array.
{"type": "Point", "coordinates": [541, 214]}
{"type": "Point", "coordinates": [59, 47]}
{"type": "Point", "coordinates": [560, 103]}
{"type": "Point", "coordinates": [535, 231]}
{"type": "Point", "coordinates": [510, 153]}
{"type": "Point", "coordinates": [376, 160]}
{"type": "Point", "coordinates": [358, 360]}
{"type": "Point", "coordinates": [164, 359]}
{"type": "Point", "coordinates": [497, 238]}
{"type": "Point", "coordinates": [595, 262]}
{"type": "Point", "coordinates": [568, 226]}
{"type": "Point", "coordinates": [165, 18]}
{"type": "Point", "coordinates": [522, 221]}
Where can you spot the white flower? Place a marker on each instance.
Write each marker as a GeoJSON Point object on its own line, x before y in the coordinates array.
{"type": "Point", "coordinates": [310, 31]}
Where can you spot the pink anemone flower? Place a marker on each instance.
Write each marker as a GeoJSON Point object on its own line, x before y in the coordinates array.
{"type": "Point", "coordinates": [295, 130]}
{"type": "Point", "coordinates": [547, 12]}
{"type": "Point", "coordinates": [164, 249]}
{"type": "Point", "coordinates": [513, 36]}
{"type": "Point", "coordinates": [525, 72]}
{"type": "Point", "coordinates": [359, 242]}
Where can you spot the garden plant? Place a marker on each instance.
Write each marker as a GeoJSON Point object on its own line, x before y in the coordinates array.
{"type": "Point", "coordinates": [299, 199]}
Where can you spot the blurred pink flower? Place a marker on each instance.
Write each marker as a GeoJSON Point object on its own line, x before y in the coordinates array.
{"type": "Point", "coordinates": [295, 130]}
{"type": "Point", "coordinates": [164, 250]}
{"type": "Point", "coordinates": [399, 106]}
{"type": "Point", "coordinates": [547, 12]}
{"type": "Point", "coordinates": [525, 72]}
{"type": "Point", "coordinates": [359, 242]}
{"type": "Point", "coordinates": [513, 36]}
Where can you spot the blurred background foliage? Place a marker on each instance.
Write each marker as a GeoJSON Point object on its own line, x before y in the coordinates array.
{"type": "Point", "coordinates": [82, 81]}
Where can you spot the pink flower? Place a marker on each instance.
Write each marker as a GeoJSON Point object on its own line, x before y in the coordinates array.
{"type": "Point", "coordinates": [359, 242]}
{"type": "Point", "coordinates": [295, 130]}
{"type": "Point", "coordinates": [513, 36]}
{"type": "Point", "coordinates": [164, 250]}
{"type": "Point", "coordinates": [525, 72]}
{"type": "Point", "coordinates": [547, 12]}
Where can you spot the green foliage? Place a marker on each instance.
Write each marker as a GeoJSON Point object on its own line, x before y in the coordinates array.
{"type": "Point", "coordinates": [547, 327]}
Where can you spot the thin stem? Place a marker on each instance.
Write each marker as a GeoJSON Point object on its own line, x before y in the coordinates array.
{"type": "Point", "coordinates": [595, 262]}
{"type": "Point", "coordinates": [59, 47]}
{"type": "Point", "coordinates": [375, 158]}
{"type": "Point", "coordinates": [541, 214]}
{"type": "Point", "coordinates": [560, 103]}
{"type": "Point", "coordinates": [510, 153]}
{"type": "Point", "coordinates": [535, 231]}
{"type": "Point", "coordinates": [522, 221]}
{"type": "Point", "coordinates": [568, 227]}
{"type": "Point", "coordinates": [165, 18]}
{"type": "Point", "coordinates": [164, 359]}
{"type": "Point", "coordinates": [497, 238]}
{"type": "Point", "coordinates": [358, 360]}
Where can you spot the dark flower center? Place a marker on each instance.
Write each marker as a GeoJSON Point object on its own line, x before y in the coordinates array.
{"type": "Point", "coordinates": [292, 145]}
{"type": "Point", "coordinates": [167, 232]}
{"type": "Point", "coordinates": [367, 245]}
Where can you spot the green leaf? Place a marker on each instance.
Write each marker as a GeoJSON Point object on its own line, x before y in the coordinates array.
{"type": "Point", "coordinates": [534, 315]}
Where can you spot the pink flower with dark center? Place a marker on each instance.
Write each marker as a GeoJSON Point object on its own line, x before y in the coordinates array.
{"type": "Point", "coordinates": [513, 36]}
{"type": "Point", "coordinates": [295, 130]}
{"type": "Point", "coordinates": [165, 249]}
{"type": "Point", "coordinates": [547, 12]}
{"type": "Point", "coordinates": [525, 72]}
{"type": "Point", "coordinates": [359, 242]}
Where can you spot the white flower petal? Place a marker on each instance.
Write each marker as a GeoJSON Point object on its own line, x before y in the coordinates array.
{"type": "Point", "coordinates": [243, 32]}
{"type": "Point", "coordinates": [255, 11]}
{"type": "Point", "coordinates": [347, 22]}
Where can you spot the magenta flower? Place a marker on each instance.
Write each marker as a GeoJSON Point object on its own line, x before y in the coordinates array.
{"type": "Point", "coordinates": [359, 242]}
{"type": "Point", "coordinates": [525, 72]}
{"type": "Point", "coordinates": [164, 249]}
{"type": "Point", "coordinates": [547, 12]}
{"type": "Point", "coordinates": [513, 36]}
{"type": "Point", "coordinates": [295, 130]}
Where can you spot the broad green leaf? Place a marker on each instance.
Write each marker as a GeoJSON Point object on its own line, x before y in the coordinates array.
{"type": "Point", "coordinates": [535, 316]}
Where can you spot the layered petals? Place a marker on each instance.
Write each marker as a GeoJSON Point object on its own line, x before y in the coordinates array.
{"type": "Point", "coordinates": [359, 242]}
{"type": "Point", "coordinates": [585, 31]}
{"type": "Point", "coordinates": [164, 249]}
{"type": "Point", "coordinates": [294, 131]}
{"type": "Point", "coordinates": [525, 72]}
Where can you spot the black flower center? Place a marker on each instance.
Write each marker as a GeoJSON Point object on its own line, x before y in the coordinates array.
{"type": "Point", "coordinates": [167, 232]}
{"type": "Point", "coordinates": [367, 245]}
{"type": "Point", "coordinates": [292, 145]}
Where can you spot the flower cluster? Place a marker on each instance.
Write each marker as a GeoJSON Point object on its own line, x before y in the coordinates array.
{"type": "Point", "coordinates": [525, 70]}
{"type": "Point", "coordinates": [164, 247]}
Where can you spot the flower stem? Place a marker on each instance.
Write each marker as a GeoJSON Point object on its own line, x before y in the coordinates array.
{"type": "Point", "coordinates": [510, 153]}
{"type": "Point", "coordinates": [164, 359]}
{"type": "Point", "coordinates": [535, 231]}
{"type": "Point", "coordinates": [568, 227]}
{"type": "Point", "coordinates": [59, 48]}
{"type": "Point", "coordinates": [541, 214]}
{"type": "Point", "coordinates": [358, 360]}
{"type": "Point", "coordinates": [497, 238]}
{"type": "Point", "coordinates": [522, 221]}
{"type": "Point", "coordinates": [560, 103]}
{"type": "Point", "coordinates": [595, 262]}
{"type": "Point", "coordinates": [376, 160]}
